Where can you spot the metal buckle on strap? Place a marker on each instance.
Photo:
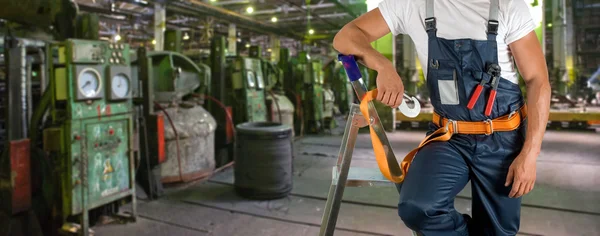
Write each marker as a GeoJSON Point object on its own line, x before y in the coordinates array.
{"type": "Point", "coordinates": [489, 121]}
{"type": "Point", "coordinates": [430, 24]}
{"type": "Point", "coordinates": [493, 27]}
{"type": "Point", "coordinates": [512, 113]}
{"type": "Point", "coordinates": [454, 126]}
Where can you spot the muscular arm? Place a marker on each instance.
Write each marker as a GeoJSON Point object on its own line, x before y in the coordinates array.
{"type": "Point", "coordinates": [532, 67]}
{"type": "Point", "coordinates": [355, 38]}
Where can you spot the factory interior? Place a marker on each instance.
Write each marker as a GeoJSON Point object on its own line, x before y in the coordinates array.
{"type": "Point", "coordinates": [236, 117]}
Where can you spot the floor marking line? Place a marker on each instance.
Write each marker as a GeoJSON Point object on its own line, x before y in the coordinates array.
{"type": "Point", "coordinates": [279, 219]}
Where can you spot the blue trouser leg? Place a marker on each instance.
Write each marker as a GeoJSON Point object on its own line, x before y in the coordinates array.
{"type": "Point", "coordinates": [440, 170]}
{"type": "Point", "coordinates": [435, 176]}
{"type": "Point", "coordinates": [494, 213]}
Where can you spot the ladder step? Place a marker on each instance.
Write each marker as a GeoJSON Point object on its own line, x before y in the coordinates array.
{"type": "Point", "coordinates": [361, 177]}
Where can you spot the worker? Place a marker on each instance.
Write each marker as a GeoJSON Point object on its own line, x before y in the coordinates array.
{"type": "Point", "coordinates": [467, 49]}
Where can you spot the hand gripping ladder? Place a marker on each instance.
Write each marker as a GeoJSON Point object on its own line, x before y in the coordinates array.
{"type": "Point", "coordinates": [342, 174]}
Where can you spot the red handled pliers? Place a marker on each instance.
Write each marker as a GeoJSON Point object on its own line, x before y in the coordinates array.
{"type": "Point", "coordinates": [494, 71]}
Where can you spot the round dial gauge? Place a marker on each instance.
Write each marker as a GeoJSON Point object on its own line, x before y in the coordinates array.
{"type": "Point", "coordinates": [120, 85]}
{"type": "Point", "coordinates": [89, 82]}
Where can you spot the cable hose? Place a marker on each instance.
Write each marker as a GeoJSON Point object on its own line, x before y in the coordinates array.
{"type": "Point", "coordinates": [227, 114]}
{"type": "Point", "coordinates": [176, 138]}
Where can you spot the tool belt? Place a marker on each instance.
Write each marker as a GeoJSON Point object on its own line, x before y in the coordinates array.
{"type": "Point", "coordinates": [447, 128]}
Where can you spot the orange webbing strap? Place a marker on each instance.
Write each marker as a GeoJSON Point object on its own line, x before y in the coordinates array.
{"type": "Point", "coordinates": [444, 133]}
{"type": "Point", "coordinates": [378, 148]}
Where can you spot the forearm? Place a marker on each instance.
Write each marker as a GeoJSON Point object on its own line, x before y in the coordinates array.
{"type": "Point", "coordinates": [351, 40]}
{"type": "Point", "coordinates": [538, 108]}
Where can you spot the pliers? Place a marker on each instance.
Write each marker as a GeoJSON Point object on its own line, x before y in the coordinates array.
{"type": "Point", "coordinates": [494, 71]}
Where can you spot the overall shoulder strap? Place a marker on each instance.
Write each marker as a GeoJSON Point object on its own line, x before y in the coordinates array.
{"type": "Point", "coordinates": [492, 27]}
{"type": "Point", "coordinates": [430, 24]}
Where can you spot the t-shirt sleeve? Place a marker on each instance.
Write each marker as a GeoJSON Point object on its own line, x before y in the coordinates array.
{"type": "Point", "coordinates": [393, 12]}
{"type": "Point", "coordinates": [519, 21]}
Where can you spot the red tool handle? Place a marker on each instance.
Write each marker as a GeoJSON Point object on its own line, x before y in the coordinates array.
{"type": "Point", "coordinates": [474, 97]}
{"type": "Point", "coordinates": [490, 104]}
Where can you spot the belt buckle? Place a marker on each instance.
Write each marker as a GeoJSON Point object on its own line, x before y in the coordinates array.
{"type": "Point", "coordinates": [489, 121]}
{"type": "Point", "coordinates": [454, 126]}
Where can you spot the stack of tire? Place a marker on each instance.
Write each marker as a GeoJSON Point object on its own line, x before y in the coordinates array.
{"type": "Point", "coordinates": [263, 160]}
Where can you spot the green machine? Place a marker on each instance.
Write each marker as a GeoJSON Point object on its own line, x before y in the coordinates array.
{"type": "Point", "coordinates": [88, 140]}
{"type": "Point", "coordinates": [237, 91]}
{"type": "Point", "coordinates": [335, 76]}
{"type": "Point", "coordinates": [247, 94]}
{"type": "Point", "coordinates": [279, 108]}
{"type": "Point", "coordinates": [289, 70]}
{"type": "Point", "coordinates": [308, 80]}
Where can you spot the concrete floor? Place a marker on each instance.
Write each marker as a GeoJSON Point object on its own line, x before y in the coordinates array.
{"type": "Point", "coordinates": [565, 201]}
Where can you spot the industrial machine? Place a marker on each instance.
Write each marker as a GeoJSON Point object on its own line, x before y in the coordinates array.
{"type": "Point", "coordinates": [247, 94]}
{"type": "Point", "coordinates": [176, 132]}
{"type": "Point", "coordinates": [335, 76]}
{"type": "Point", "coordinates": [286, 65]}
{"type": "Point", "coordinates": [308, 84]}
{"type": "Point", "coordinates": [87, 141]}
{"type": "Point", "coordinates": [21, 63]}
{"type": "Point", "coordinates": [237, 95]}
{"type": "Point", "coordinates": [279, 108]}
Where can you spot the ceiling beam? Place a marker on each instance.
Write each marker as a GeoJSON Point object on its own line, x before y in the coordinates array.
{"type": "Point", "coordinates": [345, 8]}
{"type": "Point", "coordinates": [304, 10]}
{"type": "Point", "coordinates": [197, 8]}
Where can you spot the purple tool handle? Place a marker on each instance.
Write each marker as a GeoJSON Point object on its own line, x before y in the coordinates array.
{"type": "Point", "coordinates": [351, 67]}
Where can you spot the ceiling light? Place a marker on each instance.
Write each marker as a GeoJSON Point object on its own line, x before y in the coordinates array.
{"type": "Point", "coordinates": [213, 0]}
{"type": "Point", "coordinates": [247, 45]}
{"type": "Point", "coordinates": [117, 37]}
{"type": "Point", "coordinates": [311, 31]}
{"type": "Point", "coordinates": [268, 50]}
{"type": "Point", "coordinates": [250, 10]}
{"type": "Point", "coordinates": [186, 36]}
{"type": "Point", "coordinates": [274, 19]}
{"type": "Point", "coordinates": [154, 42]}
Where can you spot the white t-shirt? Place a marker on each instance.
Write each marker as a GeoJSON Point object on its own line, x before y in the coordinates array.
{"type": "Point", "coordinates": [458, 19]}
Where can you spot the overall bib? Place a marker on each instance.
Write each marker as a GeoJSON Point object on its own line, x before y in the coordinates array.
{"type": "Point", "coordinates": [440, 170]}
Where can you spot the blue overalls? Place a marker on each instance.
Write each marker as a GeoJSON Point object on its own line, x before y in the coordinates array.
{"type": "Point", "coordinates": [440, 170]}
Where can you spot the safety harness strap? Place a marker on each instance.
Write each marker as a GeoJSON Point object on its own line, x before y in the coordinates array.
{"type": "Point", "coordinates": [492, 27]}
{"type": "Point", "coordinates": [430, 24]}
{"type": "Point", "coordinates": [447, 129]}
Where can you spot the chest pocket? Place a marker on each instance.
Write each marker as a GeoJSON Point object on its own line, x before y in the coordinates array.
{"type": "Point", "coordinates": [444, 81]}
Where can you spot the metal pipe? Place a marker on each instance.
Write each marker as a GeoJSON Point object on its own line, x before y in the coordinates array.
{"type": "Point", "coordinates": [28, 75]}
{"type": "Point", "coordinates": [43, 83]}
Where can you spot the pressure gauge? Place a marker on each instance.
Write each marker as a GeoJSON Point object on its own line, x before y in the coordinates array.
{"type": "Point", "coordinates": [89, 83]}
{"type": "Point", "coordinates": [120, 86]}
{"type": "Point", "coordinates": [119, 79]}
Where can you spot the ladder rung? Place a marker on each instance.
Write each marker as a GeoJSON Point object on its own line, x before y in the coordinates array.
{"type": "Point", "coordinates": [361, 176]}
